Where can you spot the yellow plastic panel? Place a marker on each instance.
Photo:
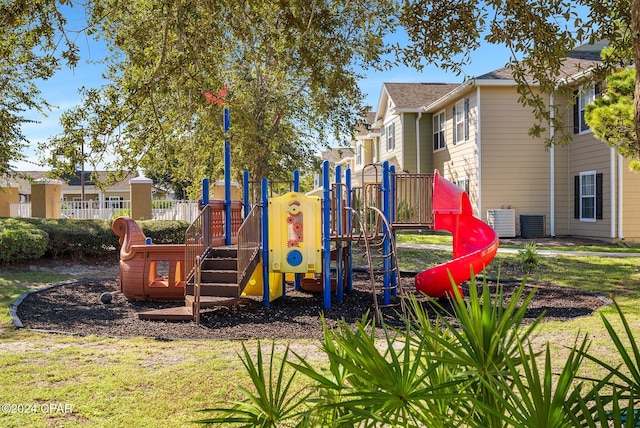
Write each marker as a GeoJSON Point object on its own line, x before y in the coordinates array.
{"type": "Point", "coordinates": [255, 285]}
{"type": "Point", "coordinates": [295, 241]}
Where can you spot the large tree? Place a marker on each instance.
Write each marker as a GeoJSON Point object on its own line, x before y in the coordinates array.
{"type": "Point", "coordinates": [539, 34]}
{"type": "Point", "coordinates": [33, 45]}
{"type": "Point", "coordinates": [291, 69]}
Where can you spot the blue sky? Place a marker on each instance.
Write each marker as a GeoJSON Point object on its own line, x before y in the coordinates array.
{"type": "Point", "coordinates": [62, 90]}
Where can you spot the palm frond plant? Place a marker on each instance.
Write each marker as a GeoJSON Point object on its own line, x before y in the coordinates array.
{"type": "Point", "coordinates": [273, 404]}
{"type": "Point", "coordinates": [622, 406]}
{"type": "Point", "coordinates": [381, 383]}
{"type": "Point", "coordinates": [535, 397]}
{"type": "Point", "coordinates": [486, 337]}
{"type": "Point", "coordinates": [529, 255]}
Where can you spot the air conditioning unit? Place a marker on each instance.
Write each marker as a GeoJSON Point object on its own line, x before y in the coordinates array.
{"type": "Point", "coordinates": [503, 222]}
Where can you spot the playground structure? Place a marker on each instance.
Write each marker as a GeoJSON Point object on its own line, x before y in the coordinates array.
{"type": "Point", "coordinates": [251, 248]}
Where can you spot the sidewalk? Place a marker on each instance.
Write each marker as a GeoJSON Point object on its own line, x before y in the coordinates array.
{"type": "Point", "coordinates": [543, 253]}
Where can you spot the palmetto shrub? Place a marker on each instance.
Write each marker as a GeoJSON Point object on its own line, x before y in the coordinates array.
{"type": "Point", "coordinates": [474, 367]}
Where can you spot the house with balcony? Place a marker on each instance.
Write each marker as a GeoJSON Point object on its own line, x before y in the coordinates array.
{"type": "Point", "coordinates": [476, 134]}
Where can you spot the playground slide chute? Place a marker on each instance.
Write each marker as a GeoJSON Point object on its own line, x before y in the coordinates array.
{"type": "Point", "coordinates": [475, 243]}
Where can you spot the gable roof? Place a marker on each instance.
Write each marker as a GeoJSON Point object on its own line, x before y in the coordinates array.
{"type": "Point", "coordinates": [577, 62]}
{"type": "Point", "coordinates": [415, 95]}
{"type": "Point", "coordinates": [337, 154]}
{"type": "Point", "coordinates": [410, 97]}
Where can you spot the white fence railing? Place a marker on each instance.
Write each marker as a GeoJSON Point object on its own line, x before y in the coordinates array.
{"type": "Point", "coordinates": [93, 209]}
{"type": "Point", "coordinates": [161, 209]}
{"type": "Point", "coordinates": [22, 209]}
{"type": "Point", "coordinates": [174, 210]}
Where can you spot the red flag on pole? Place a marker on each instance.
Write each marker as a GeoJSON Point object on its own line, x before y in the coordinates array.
{"type": "Point", "coordinates": [217, 98]}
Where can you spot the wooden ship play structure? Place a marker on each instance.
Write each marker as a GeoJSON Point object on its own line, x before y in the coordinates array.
{"type": "Point", "coordinates": [239, 248]}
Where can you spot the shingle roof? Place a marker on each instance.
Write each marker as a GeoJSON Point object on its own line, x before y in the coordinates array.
{"type": "Point", "coordinates": [415, 95]}
{"type": "Point", "coordinates": [336, 154]}
{"type": "Point", "coordinates": [576, 62]}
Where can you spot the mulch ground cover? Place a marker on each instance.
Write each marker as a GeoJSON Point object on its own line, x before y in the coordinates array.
{"type": "Point", "coordinates": [76, 308]}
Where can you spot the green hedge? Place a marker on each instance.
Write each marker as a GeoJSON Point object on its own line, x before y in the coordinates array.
{"type": "Point", "coordinates": [164, 231]}
{"type": "Point", "coordinates": [20, 241]}
{"type": "Point", "coordinates": [31, 238]}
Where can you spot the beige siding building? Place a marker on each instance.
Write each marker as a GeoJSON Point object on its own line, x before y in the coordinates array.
{"type": "Point", "coordinates": [476, 135]}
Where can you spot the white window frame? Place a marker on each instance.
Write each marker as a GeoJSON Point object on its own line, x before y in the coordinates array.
{"type": "Point", "coordinates": [440, 131]}
{"type": "Point", "coordinates": [463, 183]}
{"type": "Point", "coordinates": [588, 193]}
{"type": "Point", "coordinates": [391, 137]}
{"type": "Point", "coordinates": [359, 150]}
{"type": "Point", "coordinates": [586, 95]}
{"type": "Point", "coordinates": [115, 202]}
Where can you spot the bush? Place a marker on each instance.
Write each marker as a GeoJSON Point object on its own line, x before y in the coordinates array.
{"type": "Point", "coordinates": [32, 238]}
{"type": "Point", "coordinates": [164, 232]}
{"type": "Point", "coordinates": [21, 241]}
{"type": "Point", "coordinates": [474, 367]}
{"type": "Point", "coordinates": [78, 238]}
{"type": "Point", "coordinates": [529, 255]}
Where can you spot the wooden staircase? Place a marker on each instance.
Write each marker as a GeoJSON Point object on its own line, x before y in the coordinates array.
{"type": "Point", "coordinates": [217, 286]}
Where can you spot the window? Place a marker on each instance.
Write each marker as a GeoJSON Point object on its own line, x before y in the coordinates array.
{"type": "Point", "coordinates": [114, 202]}
{"type": "Point", "coordinates": [588, 196]}
{"type": "Point", "coordinates": [584, 96]}
{"type": "Point", "coordinates": [438, 131]}
{"type": "Point", "coordinates": [463, 183]}
{"type": "Point", "coordinates": [359, 154]}
{"type": "Point", "coordinates": [391, 137]}
{"type": "Point", "coordinates": [461, 121]}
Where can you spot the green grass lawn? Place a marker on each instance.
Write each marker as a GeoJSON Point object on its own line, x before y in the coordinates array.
{"type": "Point", "coordinates": [90, 381]}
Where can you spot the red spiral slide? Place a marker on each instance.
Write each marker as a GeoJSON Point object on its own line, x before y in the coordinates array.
{"type": "Point", "coordinates": [475, 243]}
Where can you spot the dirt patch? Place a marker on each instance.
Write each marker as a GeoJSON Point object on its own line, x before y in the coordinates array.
{"type": "Point", "coordinates": [76, 308]}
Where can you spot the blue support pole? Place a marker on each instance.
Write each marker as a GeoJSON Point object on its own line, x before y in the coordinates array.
{"type": "Point", "coordinates": [296, 180]}
{"type": "Point", "coordinates": [326, 235]}
{"type": "Point", "coordinates": [227, 193]}
{"type": "Point", "coordinates": [297, 278]}
{"type": "Point", "coordinates": [392, 219]}
{"type": "Point", "coordinates": [386, 244]}
{"type": "Point", "coordinates": [349, 226]}
{"type": "Point", "coordinates": [205, 192]}
{"type": "Point", "coordinates": [206, 224]}
{"type": "Point", "coordinates": [245, 193]}
{"type": "Point", "coordinates": [265, 242]}
{"type": "Point", "coordinates": [339, 267]}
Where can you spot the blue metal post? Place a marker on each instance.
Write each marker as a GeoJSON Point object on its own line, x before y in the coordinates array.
{"type": "Point", "coordinates": [349, 226]}
{"type": "Point", "coordinates": [326, 235]}
{"type": "Point", "coordinates": [205, 192]}
{"type": "Point", "coordinates": [392, 218]}
{"type": "Point", "coordinates": [339, 267]}
{"type": "Point", "coordinates": [206, 223]}
{"type": "Point", "coordinates": [265, 242]}
{"type": "Point", "coordinates": [296, 180]}
{"type": "Point", "coordinates": [245, 193]}
{"type": "Point", "coordinates": [386, 244]}
{"type": "Point", "coordinates": [297, 278]}
{"type": "Point", "coordinates": [227, 178]}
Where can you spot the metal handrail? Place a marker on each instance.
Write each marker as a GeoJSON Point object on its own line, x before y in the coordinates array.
{"type": "Point", "coordinates": [249, 244]}
{"type": "Point", "coordinates": [196, 242]}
